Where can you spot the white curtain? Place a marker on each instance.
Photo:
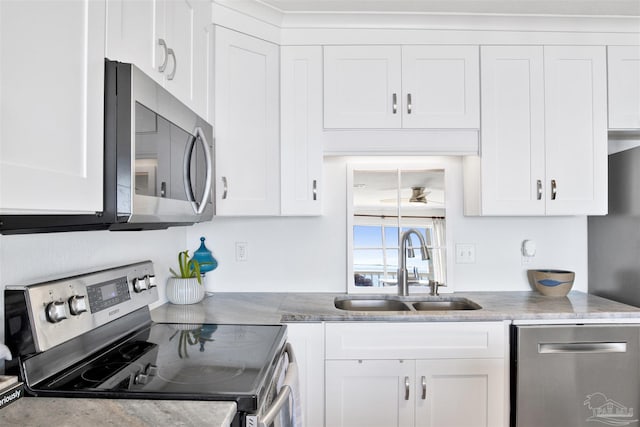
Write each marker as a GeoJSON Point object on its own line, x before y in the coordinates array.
{"type": "Point", "coordinates": [439, 250]}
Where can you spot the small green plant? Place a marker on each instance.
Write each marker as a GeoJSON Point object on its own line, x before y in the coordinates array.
{"type": "Point", "coordinates": [189, 268]}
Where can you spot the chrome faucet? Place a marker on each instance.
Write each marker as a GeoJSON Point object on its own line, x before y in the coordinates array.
{"type": "Point", "coordinates": [405, 239]}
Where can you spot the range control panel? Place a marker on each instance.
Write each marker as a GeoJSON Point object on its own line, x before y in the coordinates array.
{"type": "Point", "coordinates": [63, 309]}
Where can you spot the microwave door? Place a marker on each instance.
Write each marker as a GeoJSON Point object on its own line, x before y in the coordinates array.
{"type": "Point", "coordinates": [180, 143]}
{"type": "Point", "coordinates": [152, 153]}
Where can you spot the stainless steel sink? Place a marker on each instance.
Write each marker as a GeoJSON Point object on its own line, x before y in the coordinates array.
{"type": "Point", "coordinates": [385, 303]}
{"type": "Point", "coordinates": [445, 304]}
{"type": "Point", "coordinates": [370, 304]}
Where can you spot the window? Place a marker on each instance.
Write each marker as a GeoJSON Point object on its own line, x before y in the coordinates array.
{"type": "Point", "coordinates": [386, 203]}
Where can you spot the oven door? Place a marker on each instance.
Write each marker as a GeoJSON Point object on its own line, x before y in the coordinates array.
{"type": "Point", "coordinates": [282, 404]}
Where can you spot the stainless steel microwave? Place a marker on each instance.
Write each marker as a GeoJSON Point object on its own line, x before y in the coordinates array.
{"type": "Point", "coordinates": [158, 162]}
{"type": "Point", "coordinates": [159, 154]}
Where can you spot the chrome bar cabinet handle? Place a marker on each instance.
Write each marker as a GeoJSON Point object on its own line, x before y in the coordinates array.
{"type": "Point", "coordinates": [424, 388]}
{"type": "Point", "coordinates": [539, 189]}
{"type": "Point", "coordinates": [315, 189]}
{"type": "Point", "coordinates": [171, 53]}
{"type": "Point", "coordinates": [395, 103]}
{"type": "Point", "coordinates": [409, 104]}
{"type": "Point", "coordinates": [406, 388]}
{"type": "Point", "coordinates": [225, 187]}
{"type": "Point", "coordinates": [554, 189]}
{"type": "Point", "coordinates": [163, 66]}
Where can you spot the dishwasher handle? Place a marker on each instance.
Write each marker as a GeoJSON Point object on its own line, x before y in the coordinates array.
{"type": "Point", "coordinates": [290, 379]}
{"type": "Point", "coordinates": [582, 347]}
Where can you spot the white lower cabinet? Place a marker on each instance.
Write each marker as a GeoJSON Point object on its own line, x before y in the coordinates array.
{"type": "Point", "coordinates": [419, 374]}
{"type": "Point", "coordinates": [460, 393]}
{"type": "Point", "coordinates": [370, 393]}
{"type": "Point", "coordinates": [307, 340]}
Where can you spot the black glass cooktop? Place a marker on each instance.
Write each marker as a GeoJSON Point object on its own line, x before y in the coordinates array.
{"type": "Point", "coordinates": [179, 361]}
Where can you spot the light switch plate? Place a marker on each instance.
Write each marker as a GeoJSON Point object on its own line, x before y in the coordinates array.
{"type": "Point", "coordinates": [465, 253]}
{"type": "Point", "coordinates": [242, 251]}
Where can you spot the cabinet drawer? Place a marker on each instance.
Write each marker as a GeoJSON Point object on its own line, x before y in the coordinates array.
{"type": "Point", "coordinates": [415, 340]}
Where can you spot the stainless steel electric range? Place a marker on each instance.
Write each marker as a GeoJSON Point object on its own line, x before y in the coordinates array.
{"type": "Point", "coordinates": [91, 335]}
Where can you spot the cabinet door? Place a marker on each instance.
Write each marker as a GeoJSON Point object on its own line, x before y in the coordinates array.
{"type": "Point", "coordinates": [307, 340]}
{"type": "Point", "coordinates": [301, 129]}
{"type": "Point", "coordinates": [247, 125]}
{"type": "Point", "coordinates": [362, 87]}
{"type": "Point", "coordinates": [187, 36]}
{"type": "Point", "coordinates": [51, 106]}
{"type": "Point", "coordinates": [134, 29]}
{"type": "Point", "coordinates": [576, 129]}
{"type": "Point", "coordinates": [624, 87]}
{"type": "Point", "coordinates": [369, 393]}
{"type": "Point", "coordinates": [440, 86]}
{"type": "Point", "coordinates": [512, 131]}
{"type": "Point", "coordinates": [460, 393]}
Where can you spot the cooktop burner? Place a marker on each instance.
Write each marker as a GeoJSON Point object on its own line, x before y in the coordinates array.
{"type": "Point", "coordinates": [199, 375]}
{"type": "Point", "coordinates": [170, 359]}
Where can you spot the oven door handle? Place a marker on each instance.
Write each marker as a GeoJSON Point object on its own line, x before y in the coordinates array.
{"type": "Point", "coordinates": [198, 207]}
{"type": "Point", "coordinates": [290, 379]}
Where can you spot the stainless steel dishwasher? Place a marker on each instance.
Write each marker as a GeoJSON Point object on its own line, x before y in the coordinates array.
{"type": "Point", "coordinates": [575, 375]}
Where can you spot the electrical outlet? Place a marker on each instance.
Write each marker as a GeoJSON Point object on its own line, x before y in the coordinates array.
{"type": "Point", "coordinates": [465, 254]}
{"type": "Point", "coordinates": [242, 251]}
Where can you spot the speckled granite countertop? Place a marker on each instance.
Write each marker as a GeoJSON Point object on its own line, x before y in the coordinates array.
{"type": "Point", "coordinates": [61, 412]}
{"type": "Point", "coordinates": [273, 308]}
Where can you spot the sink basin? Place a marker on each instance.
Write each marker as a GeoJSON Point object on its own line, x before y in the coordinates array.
{"type": "Point", "coordinates": [445, 304]}
{"type": "Point", "coordinates": [358, 303]}
{"type": "Point", "coordinates": [371, 304]}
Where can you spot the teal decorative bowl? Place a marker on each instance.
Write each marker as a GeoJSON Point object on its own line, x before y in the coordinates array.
{"type": "Point", "coordinates": [552, 283]}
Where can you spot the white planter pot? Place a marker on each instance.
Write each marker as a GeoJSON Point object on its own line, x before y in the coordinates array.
{"type": "Point", "coordinates": [184, 291]}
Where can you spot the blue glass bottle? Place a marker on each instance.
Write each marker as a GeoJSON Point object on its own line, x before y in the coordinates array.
{"type": "Point", "coordinates": [205, 258]}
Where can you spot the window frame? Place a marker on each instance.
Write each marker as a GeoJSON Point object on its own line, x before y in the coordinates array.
{"type": "Point", "coordinates": [393, 164]}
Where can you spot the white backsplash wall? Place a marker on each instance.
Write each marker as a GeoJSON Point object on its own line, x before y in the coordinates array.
{"type": "Point", "coordinates": [30, 258]}
{"type": "Point", "coordinates": [309, 254]}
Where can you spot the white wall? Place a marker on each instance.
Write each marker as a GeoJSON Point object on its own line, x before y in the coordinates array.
{"type": "Point", "coordinates": [300, 254]}
{"type": "Point", "coordinates": [309, 254]}
{"type": "Point", "coordinates": [26, 259]}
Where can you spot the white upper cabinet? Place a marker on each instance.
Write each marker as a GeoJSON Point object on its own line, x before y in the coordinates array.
{"type": "Point", "coordinates": [440, 87]}
{"type": "Point", "coordinates": [247, 89]}
{"type": "Point", "coordinates": [167, 39]}
{"type": "Point", "coordinates": [389, 87]}
{"type": "Point", "coordinates": [134, 29]}
{"type": "Point", "coordinates": [624, 87]}
{"type": "Point", "coordinates": [51, 106]}
{"type": "Point", "coordinates": [543, 132]}
{"type": "Point", "coordinates": [301, 129]}
{"type": "Point", "coordinates": [512, 130]}
{"type": "Point", "coordinates": [576, 130]}
{"type": "Point", "coordinates": [362, 87]}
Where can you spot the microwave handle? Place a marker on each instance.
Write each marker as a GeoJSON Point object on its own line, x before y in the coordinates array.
{"type": "Point", "coordinates": [290, 379]}
{"type": "Point", "coordinates": [198, 207]}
